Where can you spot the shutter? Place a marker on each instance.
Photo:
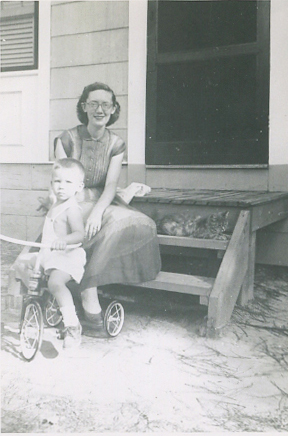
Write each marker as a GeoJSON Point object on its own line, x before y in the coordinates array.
{"type": "Point", "coordinates": [18, 39]}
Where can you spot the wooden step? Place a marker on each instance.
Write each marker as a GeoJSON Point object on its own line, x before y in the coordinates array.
{"type": "Point", "coordinates": [184, 241]}
{"type": "Point", "coordinates": [183, 283]}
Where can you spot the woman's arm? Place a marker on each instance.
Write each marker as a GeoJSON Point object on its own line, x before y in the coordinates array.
{"type": "Point", "coordinates": [93, 224]}
{"type": "Point", "coordinates": [112, 179]}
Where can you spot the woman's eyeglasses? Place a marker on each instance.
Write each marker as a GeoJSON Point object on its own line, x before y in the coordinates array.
{"type": "Point", "coordinates": [95, 105]}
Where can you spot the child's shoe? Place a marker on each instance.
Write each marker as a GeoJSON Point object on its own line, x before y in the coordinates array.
{"type": "Point", "coordinates": [72, 336]}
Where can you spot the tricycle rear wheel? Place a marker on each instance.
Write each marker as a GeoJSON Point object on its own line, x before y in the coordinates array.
{"type": "Point", "coordinates": [114, 318]}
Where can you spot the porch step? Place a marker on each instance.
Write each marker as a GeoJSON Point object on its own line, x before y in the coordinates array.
{"type": "Point", "coordinates": [183, 283]}
{"type": "Point", "coordinates": [186, 241]}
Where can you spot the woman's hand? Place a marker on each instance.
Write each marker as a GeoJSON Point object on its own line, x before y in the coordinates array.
{"type": "Point", "coordinates": [93, 224]}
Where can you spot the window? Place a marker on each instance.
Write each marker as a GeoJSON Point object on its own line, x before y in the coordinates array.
{"type": "Point", "coordinates": [207, 83]}
{"type": "Point", "coordinates": [19, 35]}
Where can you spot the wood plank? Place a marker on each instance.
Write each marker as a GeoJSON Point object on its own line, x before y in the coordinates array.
{"type": "Point", "coordinates": [278, 227]}
{"type": "Point", "coordinates": [234, 198]}
{"type": "Point", "coordinates": [247, 199]}
{"type": "Point", "coordinates": [16, 202]}
{"type": "Point", "coordinates": [268, 197]}
{"type": "Point", "coordinates": [182, 283]}
{"type": "Point", "coordinates": [212, 196]}
{"type": "Point", "coordinates": [95, 16]}
{"type": "Point", "coordinates": [113, 45]}
{"type": "Point", "coordinates": [216, 197]}
{"type": "Point", "coordinates": [269, 213]}
{"type": "Point", "coordinates": [247, 290]}
{"type": "Point", "coordinates": [230, 277]}
{"type": "Point", "coordinates": [117, 74]}
{"type": "Point", "coordinates": [182, 241]}
{"type": "Point", "coordinates": [15, 176]}
{"type": "Point", "coordinates": [223, 202]}
{"type": "Point", "coordinates": [179, 201]}
{"type": "Point", "coordinates": [223, 179]}
{"type": "Point", "coordinates": [14, 226]}
{"type": "Point", "coordinates": [41, 176]}
{"type": "Point", "coordinates": [199, 194]}
{"type": "Point", "coordinates": [182, 196]}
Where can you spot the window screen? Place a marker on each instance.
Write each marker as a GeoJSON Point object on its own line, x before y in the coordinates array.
{"type": "Point", "coordinates": [207, 83]}
{"type": "Point", "coordinates": [202, 24]}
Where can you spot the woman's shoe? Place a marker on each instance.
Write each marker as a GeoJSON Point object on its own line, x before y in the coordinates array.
{"type": "Point", "coordinates": [94, 321]}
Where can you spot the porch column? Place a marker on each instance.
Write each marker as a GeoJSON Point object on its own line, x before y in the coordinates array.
{"type": "Point", "coordinates": [137, 90]}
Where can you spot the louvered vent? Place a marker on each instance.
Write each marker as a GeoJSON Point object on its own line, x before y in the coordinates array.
{"type": "Point", "coordinates": [18, 41]}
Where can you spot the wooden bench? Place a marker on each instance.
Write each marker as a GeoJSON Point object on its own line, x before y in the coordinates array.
{"type": "Point", "coordinates": [248, 211]}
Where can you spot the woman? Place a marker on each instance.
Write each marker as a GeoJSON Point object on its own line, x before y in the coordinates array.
{"type": "Point", "coordinates": [121, 243]}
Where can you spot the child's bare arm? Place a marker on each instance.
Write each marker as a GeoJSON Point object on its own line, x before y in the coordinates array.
{"type": "Point", "coordinates": [76, 224]}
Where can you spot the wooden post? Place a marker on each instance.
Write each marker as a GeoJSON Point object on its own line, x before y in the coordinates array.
{"type": "Point", "coordinates": [247, 290]}
{"type": "Point", "coordinates": [230, 277]}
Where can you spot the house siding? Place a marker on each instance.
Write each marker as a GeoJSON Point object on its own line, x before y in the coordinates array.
{"type": "Point", "coordinates": [95, 48]}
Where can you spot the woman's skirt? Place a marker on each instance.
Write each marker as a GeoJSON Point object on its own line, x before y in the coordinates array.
{"type": "Point", "coordinates": [125, 250]}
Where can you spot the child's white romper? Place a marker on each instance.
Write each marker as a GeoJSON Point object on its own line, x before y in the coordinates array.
{"type": "Point", "coordinates": [71, 261]}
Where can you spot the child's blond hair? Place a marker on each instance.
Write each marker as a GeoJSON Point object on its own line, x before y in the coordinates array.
{"type": "Point", "coordinates": [70, 163]}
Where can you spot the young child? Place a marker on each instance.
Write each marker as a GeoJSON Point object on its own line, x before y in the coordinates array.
{"type": "Point", "coordinates": [64, 226]}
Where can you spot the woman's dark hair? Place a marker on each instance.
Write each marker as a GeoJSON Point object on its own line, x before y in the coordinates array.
{"type": "Point", "coordinates": [82, 116]}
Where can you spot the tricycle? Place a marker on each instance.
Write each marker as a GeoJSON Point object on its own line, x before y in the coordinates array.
{"type": "Point", "coordinates": [40, 308]}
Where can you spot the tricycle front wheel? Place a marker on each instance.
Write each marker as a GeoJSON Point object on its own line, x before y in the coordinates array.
{"type": "Point", "coordinates": [51, 311]}
{"type": "Point", "coordinates": [31, 333]}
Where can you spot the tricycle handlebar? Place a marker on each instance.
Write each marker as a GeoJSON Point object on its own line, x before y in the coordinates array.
{"type": "Point", "coordinates": [33, 244]}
